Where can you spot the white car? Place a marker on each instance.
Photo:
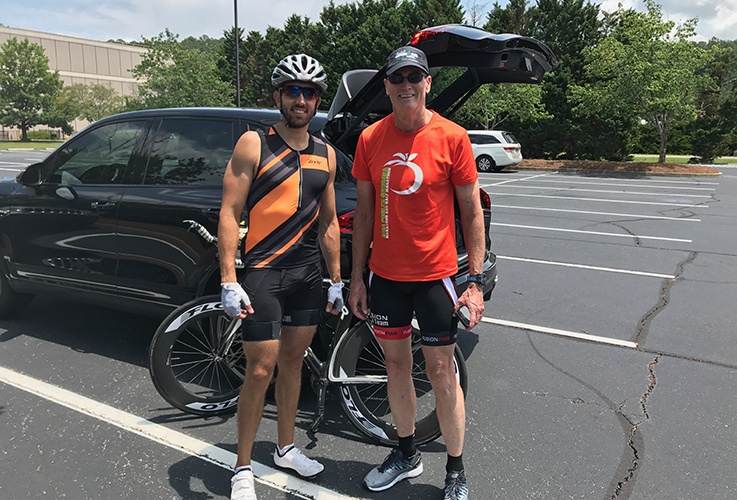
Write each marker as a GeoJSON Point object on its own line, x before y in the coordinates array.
{"type": "Point", "coordinates": [494, 149]}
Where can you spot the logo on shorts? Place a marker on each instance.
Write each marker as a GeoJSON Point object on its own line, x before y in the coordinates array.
{"type": "Point", "coordinates": [379, 319]}
{"type": "Point", "coordinates": [286, 319]}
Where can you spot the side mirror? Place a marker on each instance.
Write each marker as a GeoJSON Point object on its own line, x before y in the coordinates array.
{"type": "Point", "coordinates": [31, 176]}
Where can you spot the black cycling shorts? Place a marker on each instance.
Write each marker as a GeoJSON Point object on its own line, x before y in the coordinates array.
{"type": "Point", "coordinates": [432, 302]}
{"type": "Point", "coordinates": [289, 297]}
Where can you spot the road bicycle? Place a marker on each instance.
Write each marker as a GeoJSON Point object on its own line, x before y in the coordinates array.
{"type": "Point", "coordinates": [197, 364]}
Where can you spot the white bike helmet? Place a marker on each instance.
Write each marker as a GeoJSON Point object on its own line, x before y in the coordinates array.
{"type": "Point", "coordinates": [299, 67]}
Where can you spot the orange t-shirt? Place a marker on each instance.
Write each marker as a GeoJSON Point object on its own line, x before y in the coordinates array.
{"type": "Point", "coordinates": [413, 176]}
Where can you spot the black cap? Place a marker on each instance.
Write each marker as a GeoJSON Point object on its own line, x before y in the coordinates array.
{"type": "Point", "coordinates": [406, 56]}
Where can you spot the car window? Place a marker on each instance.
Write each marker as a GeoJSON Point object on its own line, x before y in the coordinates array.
{"type": "Point", "coordinates": [190, 151]}
{"type": "Point", "coordinates": [488, 139]}
{"type": "Point", "coordinates": [99, 156]}
{"type": "Point", "coordinates": [510, 138]}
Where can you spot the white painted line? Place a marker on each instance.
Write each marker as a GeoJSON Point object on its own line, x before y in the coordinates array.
{"type": "Point", "coordinates": [614, 214]}
{"type": "Point", "coordinates": [168, 437]}
{"type": "Point", "coordinates": [562, 333]}
{"type": "Point", "coordinates": [597, 233]}
{"type": "Point", "coordinates": [586, 183]}
{"type": "Point", "coordinates": [610, 191]}
{"type": "Point", "coordinates": [527, 178]}
{"type": "Point", "coordinates": [603, 200]}
{"type": "Point", "coordinates": [593, 268]}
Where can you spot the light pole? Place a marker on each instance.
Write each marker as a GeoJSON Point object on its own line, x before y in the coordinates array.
{"type": "Point", "coordinates": [237, 58]}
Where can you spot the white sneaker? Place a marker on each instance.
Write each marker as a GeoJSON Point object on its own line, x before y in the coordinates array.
{"type": "Point", "coordinates": [242, 487]}
{"type": "Point", "coordinates": [296, 460]}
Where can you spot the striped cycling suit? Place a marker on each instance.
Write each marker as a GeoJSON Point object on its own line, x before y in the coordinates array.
{"type": "Point", "coordinates": [283, 204]}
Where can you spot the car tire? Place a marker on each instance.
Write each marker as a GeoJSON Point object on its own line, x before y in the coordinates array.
{"type": "Point", "coordinates": [485, 163]}
{"type": "Point", "coordinates": [10, 300]}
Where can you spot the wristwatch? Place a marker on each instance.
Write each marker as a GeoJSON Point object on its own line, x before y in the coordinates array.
{"type": "Point", "coordinates": [479, 279]}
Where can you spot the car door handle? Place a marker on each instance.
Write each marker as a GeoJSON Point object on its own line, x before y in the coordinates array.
{"type": "Point", "coordinates": [212, 214]}
{"type": "Point", "coordinates": [102, 206]}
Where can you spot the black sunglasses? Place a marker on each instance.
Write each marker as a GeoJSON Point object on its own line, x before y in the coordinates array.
{"type": "Point", "coordinates": [294, 91]}
{"type": "Point", "coordinates": [414, 77]}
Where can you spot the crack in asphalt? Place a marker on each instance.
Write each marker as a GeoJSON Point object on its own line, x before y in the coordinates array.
{"type": "Point", "coordinates": [643, 326]}
{"type": "Point", "coordinates": [632, 437]}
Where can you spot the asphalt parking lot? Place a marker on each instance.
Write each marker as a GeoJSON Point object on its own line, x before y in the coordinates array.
{"type": "Point", "coordinates": [605, 367]}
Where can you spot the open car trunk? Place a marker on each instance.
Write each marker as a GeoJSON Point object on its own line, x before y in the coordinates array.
{"type": "Point", "coordinates": [461, 59]}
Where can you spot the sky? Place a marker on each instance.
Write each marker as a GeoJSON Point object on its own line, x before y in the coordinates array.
{"type": "Point", "coordinates": [131, 20]}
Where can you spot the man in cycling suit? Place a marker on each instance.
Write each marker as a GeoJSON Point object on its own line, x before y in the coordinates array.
{"type": "Point", "coordinates": [410, 167]}
{"type": "Point", "coordinates": [284, 177]}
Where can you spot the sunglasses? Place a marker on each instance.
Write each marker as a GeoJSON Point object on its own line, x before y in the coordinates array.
{"type": "Point", "coordinates": [294, 91]}
{"type": "Point", "coordinates": [414, 77]}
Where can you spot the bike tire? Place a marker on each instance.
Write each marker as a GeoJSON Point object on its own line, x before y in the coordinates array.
{"type": "Point", "coordinates": [367, 405]}
{"type": "Point", "coordinates": [184, 364]}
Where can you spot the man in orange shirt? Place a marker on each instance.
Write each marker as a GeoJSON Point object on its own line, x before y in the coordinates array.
{"type": "Point", "coordinates": [410, 167]}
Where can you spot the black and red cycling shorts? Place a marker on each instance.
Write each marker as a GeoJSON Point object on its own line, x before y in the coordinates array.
{"type": "Point", "coordinates": [393, 303]}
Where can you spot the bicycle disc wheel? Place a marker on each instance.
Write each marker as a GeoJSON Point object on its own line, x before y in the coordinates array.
{"type": "Point", "coordinates": [196, 359]}
{"type": "Point", "coordinates": [367, 405]}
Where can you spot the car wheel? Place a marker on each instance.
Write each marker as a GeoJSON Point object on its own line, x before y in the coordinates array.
{"type": "Point", "coordinates": [10, 300]}
{"type": "Point", "coordinates": [485, 163]}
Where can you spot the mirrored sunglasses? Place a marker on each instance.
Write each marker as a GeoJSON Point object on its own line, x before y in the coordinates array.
{"type": "Point", "coordinates": [414, 77]}
{"type": "Point", "coordinates": [294, 91]}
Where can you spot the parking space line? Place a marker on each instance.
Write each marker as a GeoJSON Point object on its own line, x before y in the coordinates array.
{"type": "Point", "coordinates": [592, 268]}
{"type": "Point", "coordinates": [585, 183]}
{"type": "Point", "coordinates": [614, 214]}
{"type": "Point", "coordinates": [597, 233]}
{"type": "Point", "coordinates": [561, 333]}
{"type": "Point", "coordinates": [613, 191]}
{"type": "Point", "coordinates": [527, 178]}
{"type": "Point", "coordinates": [602, 200]}
{"type": "Point", "coordinates": [168, 437]}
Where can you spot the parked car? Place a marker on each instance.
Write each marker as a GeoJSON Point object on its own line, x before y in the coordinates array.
{"type": "Point", "coordinates": [494, 149]}
{"type": "Point", "coordinates": [119, 214]}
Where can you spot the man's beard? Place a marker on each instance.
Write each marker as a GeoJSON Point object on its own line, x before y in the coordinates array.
{"type": "Point", "coordinates": [295, 121]}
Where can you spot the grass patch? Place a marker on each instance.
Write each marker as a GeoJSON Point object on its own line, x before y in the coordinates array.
{"type": "Point", "coordinates": [5, 145]}
{"type": "Point", "coordinates": [679, 159]}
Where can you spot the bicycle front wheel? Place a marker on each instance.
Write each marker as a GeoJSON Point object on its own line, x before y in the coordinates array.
{"type": "Point", "coordinates": [367, 404]}
{"type": "Point", "coordinates": [196, 359]}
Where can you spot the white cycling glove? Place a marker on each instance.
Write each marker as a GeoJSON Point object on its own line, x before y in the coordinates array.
{"type": "Point", "coordinates": [233, 296]}
{"type": "Point", "coordinates": [335, 295]}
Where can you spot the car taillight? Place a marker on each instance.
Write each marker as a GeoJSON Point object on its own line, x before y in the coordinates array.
{"type": "Point", "coordinates": [422, 36]}
{"type": "Point", "coordinates": [345, 222]}
{"type": "Point", "coordinates": [510, 149]}
{"type": "Point", "coordinates": [485, 199]}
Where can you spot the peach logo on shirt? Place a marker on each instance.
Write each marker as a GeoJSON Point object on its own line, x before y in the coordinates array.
{"type": "Point", "coordinates": [406, 160]}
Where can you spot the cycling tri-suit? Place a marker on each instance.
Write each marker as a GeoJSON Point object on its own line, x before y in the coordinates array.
{"type": "Point", "coordinates": [281, 251]}
{"type": "Point", "coordinates": [414, 175]}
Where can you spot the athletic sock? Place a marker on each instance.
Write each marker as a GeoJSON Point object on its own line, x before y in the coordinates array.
{"type": "Point", "coordinates": [407, 446]}
{"type": "Point", "coordinates": [241, 469]}
{"type": "Point", "coordinates": [455, 464]}
{"type": "Point", "coordinates": [283, 451]}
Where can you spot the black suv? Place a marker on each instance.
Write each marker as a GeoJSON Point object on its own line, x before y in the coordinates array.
{"type": "Point", "coordinates": [121, 214]}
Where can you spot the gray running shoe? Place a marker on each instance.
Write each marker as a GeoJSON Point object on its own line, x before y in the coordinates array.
{"type": "Point", "coordinates": [456, 486]}
{"type": "Point", "coordinates": [394, 468]}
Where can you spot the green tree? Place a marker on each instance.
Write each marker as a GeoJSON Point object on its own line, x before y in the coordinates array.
{"type": "Point", "coordinates": [27, 86]}
{"type": "Point", "coordinates": [493, 105]}
{"type": "Point", "coordinates": [646, 67]}
{"type": "Point", "coordinates": [713, 132]}
{"type": "Point", "coordinates": [172, 76]}
{"type": "Point", "coordinates": [567, 27]}
{"type": "Point", "coordinates": [89, 102]}
{"type": "Point", "coordinates": [515, 17]}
